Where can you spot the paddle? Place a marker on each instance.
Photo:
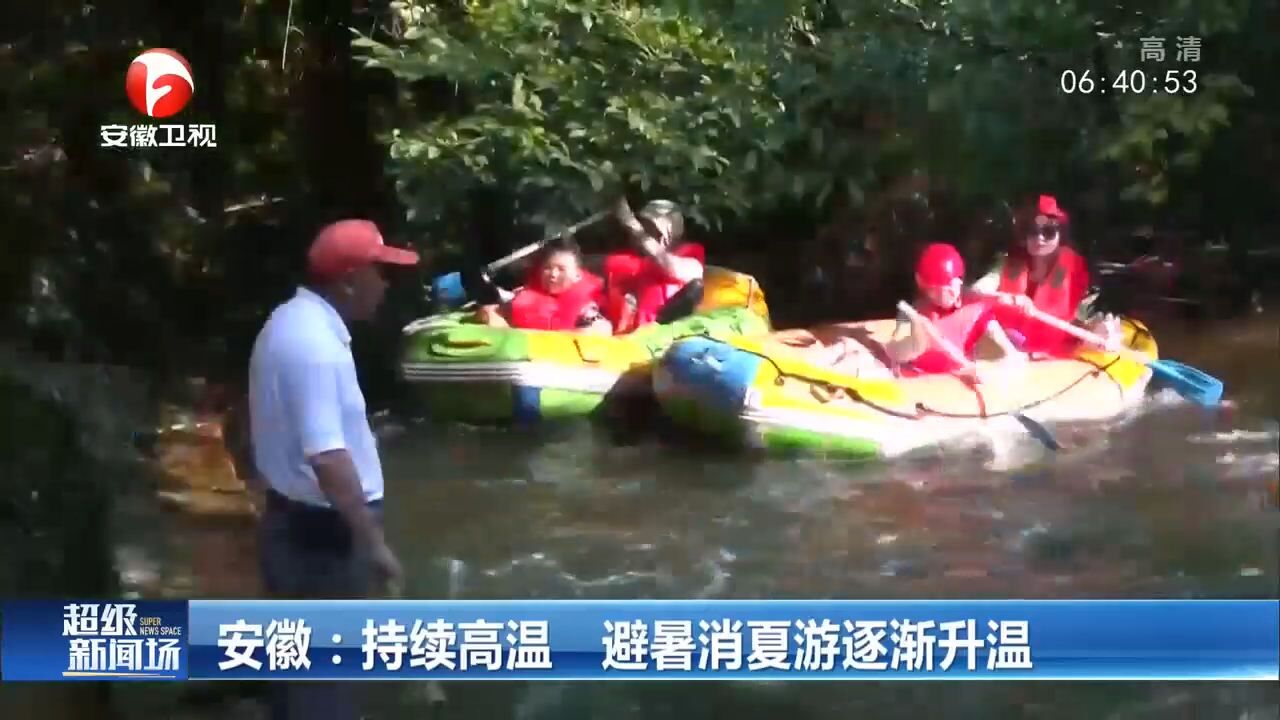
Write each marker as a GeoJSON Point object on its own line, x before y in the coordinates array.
{"type": "Point", "coordinates": [1037, 430]}
{"type": "Point", "coordinates": [689, 297]}
{"type": "Point", "coordinates": [450, 290]}
{"type": "Point", "coordinates": [1187, 381]}
{"type": "Point", "coordinates": [636, 228]}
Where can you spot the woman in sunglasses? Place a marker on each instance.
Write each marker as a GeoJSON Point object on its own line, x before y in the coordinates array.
{"type": "Point", "coordinates": [1043, 270]}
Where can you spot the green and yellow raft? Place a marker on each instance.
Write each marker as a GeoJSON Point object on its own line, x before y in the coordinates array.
{"type": "Point", "coordinates": [767, 393]}
{"type": "Point", "coordinates": [474, 373]}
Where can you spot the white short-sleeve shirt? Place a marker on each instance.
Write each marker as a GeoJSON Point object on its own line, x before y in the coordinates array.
{"type": "Point", "coordinates": [305, 399]}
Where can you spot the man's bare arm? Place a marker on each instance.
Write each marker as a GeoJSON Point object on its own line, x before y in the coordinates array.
{"type": "Point", "coordinates": [340, 482]}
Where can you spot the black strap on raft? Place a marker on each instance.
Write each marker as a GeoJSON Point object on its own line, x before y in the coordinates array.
{"type": "Point", "coordinates": [853, 393]}
{"type": "Point", "coordinates": [683, 303]}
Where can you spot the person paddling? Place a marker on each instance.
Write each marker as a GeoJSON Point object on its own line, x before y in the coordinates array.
{"type": "Point", "coordinates": [559, 294]}
{"type": "Point", "coordinates": [1044, 271]}
{"type": "Point", "coordinates": [961, 318]}
{"type": "Point", "coordinates": [641, 281]}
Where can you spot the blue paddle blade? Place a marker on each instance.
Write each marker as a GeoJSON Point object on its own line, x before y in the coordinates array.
{"type": "Point", "coordinates": [1188, 382]}
{"type": "Point", "coordinates": [447, 290]}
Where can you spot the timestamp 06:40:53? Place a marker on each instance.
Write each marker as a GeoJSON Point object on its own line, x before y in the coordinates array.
{"type": "Point", "coordinates": [1133, 82]}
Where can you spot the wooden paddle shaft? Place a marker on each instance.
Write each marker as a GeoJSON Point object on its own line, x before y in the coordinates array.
{"type": "Point", "coordinates": [932, 330]}
{"type": "Point", "coordinates": [1082, 334]}
{"type": "Point", "coordinates": [1066, 327]}
{"type": "Point", "coordinates": [534, 247]}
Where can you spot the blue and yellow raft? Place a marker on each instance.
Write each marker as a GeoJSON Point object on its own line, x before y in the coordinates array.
{"type": "Point", "coordinates": [767, 392]}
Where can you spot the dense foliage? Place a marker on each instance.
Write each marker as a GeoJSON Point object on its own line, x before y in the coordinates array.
{"type": "Point", "coordinates": [467, 124]}
{"type": "Point", "coordinates": [738, 107]}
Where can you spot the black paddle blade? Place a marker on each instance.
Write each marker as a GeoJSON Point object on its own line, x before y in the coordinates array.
{"type": "Point", "coordinates": [682, 303]}
{"type": "Point", "coordinates": [480, 287]}
{"type": "Point", "coordinates": [1039, 432]}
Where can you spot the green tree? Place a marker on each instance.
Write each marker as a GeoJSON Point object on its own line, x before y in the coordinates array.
{"type": "Point", "coordinates": [749, 105]}
{"type": "Point", "coordinates": [562, 101]}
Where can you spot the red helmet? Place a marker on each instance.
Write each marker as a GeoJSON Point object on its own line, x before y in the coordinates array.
{"type": "Point", "coordinates": [938, 265]}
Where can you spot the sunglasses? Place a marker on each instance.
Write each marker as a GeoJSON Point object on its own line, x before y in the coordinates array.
{"type": "Point", "coordinates": [1047, 232]}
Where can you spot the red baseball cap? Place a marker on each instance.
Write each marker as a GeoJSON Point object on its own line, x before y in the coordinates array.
{"type": "Point", "coordinates": [346, 245]}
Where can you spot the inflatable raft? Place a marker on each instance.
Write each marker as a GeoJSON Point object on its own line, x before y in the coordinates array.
{"type": "Point", "coordinates": [771, 392]}
{"type": "Point", "coordinates": [474, 373]}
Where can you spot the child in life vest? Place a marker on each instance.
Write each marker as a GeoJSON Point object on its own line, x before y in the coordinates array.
{"type": "Point", "coordinates": [961, 318]}
{"type": "Point", "coordinates": [559, 294]}
{"type": "Point", "coordinates": [1044, 271]}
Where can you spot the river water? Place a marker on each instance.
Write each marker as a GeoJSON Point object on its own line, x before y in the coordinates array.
{"type": "Point", "coordinates": [1173, 501]}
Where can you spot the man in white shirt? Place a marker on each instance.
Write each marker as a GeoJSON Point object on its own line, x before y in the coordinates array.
{"type": "Point", "coordinates": [321, 533]}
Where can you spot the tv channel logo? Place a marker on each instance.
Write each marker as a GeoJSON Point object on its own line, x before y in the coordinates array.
{"type": "Point", "coordinates": [159, 84]}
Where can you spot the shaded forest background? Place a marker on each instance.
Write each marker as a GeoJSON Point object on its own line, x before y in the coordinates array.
{"type": "Point", "coordinates": [814, 141]}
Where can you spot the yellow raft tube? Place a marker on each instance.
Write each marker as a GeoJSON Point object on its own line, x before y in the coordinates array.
{"type": "Point", "coordinates": [768, 392]}
{"type": "Point", "coordinates": [474, 373]}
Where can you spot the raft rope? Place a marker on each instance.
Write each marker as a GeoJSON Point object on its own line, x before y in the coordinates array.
{"type": "Point", "coordinates": [853, 393]}
{"type": "Point", "coordinates": [1098, 369]}
{"type": "Point", "coordinates": [922, 410]}
{"type": "Point", "coordinates": [977, 393]}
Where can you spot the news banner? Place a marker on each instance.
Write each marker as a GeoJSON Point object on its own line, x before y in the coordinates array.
{"type": "Point", "coordinates": [641, 640]}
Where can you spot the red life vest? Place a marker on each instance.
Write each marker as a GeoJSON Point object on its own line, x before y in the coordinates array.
{"type": "Point", "coordinates": [534, 309]}
{"type": "Point", "coordinates": [629, 273]}
{"type": "Point", "coordinates": [962, 327]}
{"type": "Point", "coordinates": [1059, 294]}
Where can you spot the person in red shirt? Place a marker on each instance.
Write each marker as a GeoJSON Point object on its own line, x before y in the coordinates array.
{"type": "Point", "coordinates": [558, 294]}
{"type": "Point", "coordinates": [1043, 270]}
{"type": "Point", "coordinates": [641, 281]}
{"type": "Point", "coordinates": [961, 318]}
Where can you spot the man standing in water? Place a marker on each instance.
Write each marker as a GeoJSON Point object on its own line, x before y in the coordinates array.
{"type": "Point", "coordinates": [321, 533]}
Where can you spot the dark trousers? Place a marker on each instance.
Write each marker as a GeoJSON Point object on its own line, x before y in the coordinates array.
{"type": "Point", "coordinates": [309, 553]}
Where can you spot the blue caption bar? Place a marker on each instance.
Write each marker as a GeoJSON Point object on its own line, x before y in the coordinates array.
{"type": "Point", "coordinates": [692, 640]}
{"type": "Point", "coordinates": [600, 640]}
